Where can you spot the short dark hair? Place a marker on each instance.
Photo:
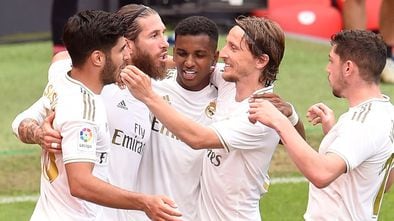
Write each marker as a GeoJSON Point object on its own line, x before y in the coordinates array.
{"type": "Point", "coordinates": [264, 36]}
{"type": "Point", "coordinates": [198, 25]}
{"type": "Point", "coordinates": [91, 30]}
{"type": "Point", "coordinates": [365, 48]}
{"type": "Point", "coordinates": [130, 14]}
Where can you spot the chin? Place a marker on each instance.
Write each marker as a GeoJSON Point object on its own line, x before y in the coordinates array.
{"type": "Point", "coordinates": [228, 77]}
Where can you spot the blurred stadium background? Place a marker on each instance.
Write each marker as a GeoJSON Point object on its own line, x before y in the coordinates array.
{"type": "Point", "coordinates": [22, 20]}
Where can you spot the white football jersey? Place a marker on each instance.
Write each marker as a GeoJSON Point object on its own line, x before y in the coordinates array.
{"type": "Point", "coordinates": [129, 126]}
{"type": "Point", "coordinates": [363, 137]}
{"type": "Point", "coordinates": [169, 166]}
{"type": "Point", "coordinates": [235, 178]}
{"type": "Point", "coordinates": [82, 122]}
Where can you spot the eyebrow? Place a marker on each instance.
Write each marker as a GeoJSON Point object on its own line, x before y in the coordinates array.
{"type": "Point", "coordinates": [123, 47]}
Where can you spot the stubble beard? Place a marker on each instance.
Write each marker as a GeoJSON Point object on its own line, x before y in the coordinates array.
{"type": "Point", "coordinates": [108, 73]}
{"type": "Point", "coordinates": [146, 63]}
{"type": "Point", "coordinates": [228, 77]}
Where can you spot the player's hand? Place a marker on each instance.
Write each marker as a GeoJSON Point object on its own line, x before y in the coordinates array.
{"type": "Point", "coordinates": [50, 139]}
{"type": "Point", "coordinates": [321, 114]}
{"type": "Point", "coordinates": [277, 101]}
{"type": "Point", "coordinates": [138, 83]}
{"type": "Point", "coordinates": [161, 208]}
{"type": "Point", "coordinates": [263, 111]}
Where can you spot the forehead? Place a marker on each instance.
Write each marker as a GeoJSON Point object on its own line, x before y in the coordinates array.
{"type": "Point", "coordinates": [194, 42]}
{"type": "Point", "coordinates": [332, 53]}
{"type": "Point", "coordinates": [235, 34]}
{"type": "Point", "coordinates": [151, 23]}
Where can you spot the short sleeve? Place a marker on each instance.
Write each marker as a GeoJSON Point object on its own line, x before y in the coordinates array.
{"type": "Point", "coordinates": [239, 133]}
{"type": "Point", "coordinates": [353, 144]}
{"type": "Point", "coordinates": [58, 67]}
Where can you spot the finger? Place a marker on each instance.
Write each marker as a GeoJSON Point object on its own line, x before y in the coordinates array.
{"type": "Point", "coordinates": [254, 106]}
{"type": "Point", "coordinates": [317, 111]}
{"type": "Point", "coordinates": [270, 95]}
{"type": "Point", "coordinates": [124, 77]}
{"type": "Point", "coordinates": [265, 95]}
{"type": "Point", "coordinates": [168, 201]}
{"type": "Point", "coordinates": [317, 120]}
{"type": "Point", "coordinates": [136, 70]}
{"type": "Point", "coordinates": [54, 135]}
{"type": "Point", "coordinates": [50, 117]}
{"type": "Point", "coordinates": [252, 118]}
{"type": "Point", "coordinates": [169, 213]}
{"type": "Point", "coordinates": [324, 108]}
{"type": "Point", "coordinates": [52, 150]}
{"type": "Point", "coordinates": [52, 147]}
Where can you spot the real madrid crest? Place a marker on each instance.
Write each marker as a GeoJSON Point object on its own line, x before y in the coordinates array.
{"type": "Point", "coordinates": [210, 109]}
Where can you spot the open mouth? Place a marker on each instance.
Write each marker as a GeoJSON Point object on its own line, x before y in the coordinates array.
{"type": "Point", "coordinates": [163, 57]}
{"type": "Point", "coordinates": [226, 66]}
{"type": "Point", "coordinates": [189, 75]}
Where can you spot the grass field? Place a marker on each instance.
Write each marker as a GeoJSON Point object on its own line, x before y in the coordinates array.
{"type": "Point", "coordinates": [302, 81]}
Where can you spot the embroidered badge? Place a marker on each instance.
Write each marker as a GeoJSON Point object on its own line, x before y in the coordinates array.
{"type": "Point", "coordinates": [210, 109]}
{"type": "Point", "coordinates": [85, 139]}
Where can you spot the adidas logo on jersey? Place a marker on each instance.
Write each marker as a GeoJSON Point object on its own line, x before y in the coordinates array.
{"type": "Point", "coordinates": [122, 105]}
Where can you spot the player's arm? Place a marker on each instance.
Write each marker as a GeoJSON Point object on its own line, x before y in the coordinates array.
{"type": "Point", "coordinates": [286, 108]}
{"type": "Point", "coordinates": [88, 187]}
{"type": "Point", "coordinates": [192, 133]}
{"type": "Point", "coordinates": [25, 126]}
{"type": "Point", "coordinates": [32, 126]}
{"type": "Point", "coordinates": [319, 169]}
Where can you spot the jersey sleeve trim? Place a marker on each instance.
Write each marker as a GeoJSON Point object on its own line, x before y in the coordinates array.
{"type": "Point", "coordinates": [225, 146]}
{"type": "Point", "coordinates": [348, 167]}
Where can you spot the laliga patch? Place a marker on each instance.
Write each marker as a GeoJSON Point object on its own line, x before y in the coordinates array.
{"type": "Point", "coordinates": [85, 141]}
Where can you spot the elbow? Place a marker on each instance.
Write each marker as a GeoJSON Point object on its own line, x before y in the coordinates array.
{"type": "Point", "coordinates": [196, 142]}
{"type": "Point", "coordinates": [320, 185]}
{"type": "Point", "coordinates": [320, 182]}
{"type": "Point", "coordinates": [76, 191]}
{"type": "Point", "coordinates": [196, 145]}
{"type": "Point", "coordinates": [201, 139]}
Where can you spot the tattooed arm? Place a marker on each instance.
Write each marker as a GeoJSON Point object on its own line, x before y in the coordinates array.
{"type": "Point", "coordinates": [29, 131]}
{"type": "Point", "coordinates": [34, 126]}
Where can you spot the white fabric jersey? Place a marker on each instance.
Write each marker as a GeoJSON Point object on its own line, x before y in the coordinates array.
{"type": "Point", "coordinates": [129, 126]}
{"type": "Point", "coordinates": [235, 178]}
{"type": "Point", "coordinates": [81, 120]}
{"type": "Point", "coordinates": [169, 166]}
{"type": "Point", "coordinates": [363, 137]}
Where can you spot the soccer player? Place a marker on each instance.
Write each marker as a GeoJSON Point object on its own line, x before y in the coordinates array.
{"type": "Point", "coordinates": [235, 166]}
{"type": "Point", "coordinates": [168, 165]}
{"type": "Point", "coordinates": [128, 137]}
{"type": "Point", "coordinates": [348, 175]}
{"type": "Point", "coordinates": [74, 182]}
{"type": "Point", "coordinates": [166, 158]}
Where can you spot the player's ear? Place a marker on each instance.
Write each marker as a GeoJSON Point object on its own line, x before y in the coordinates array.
{"type": "Point", "coordinates": [262, 61]}
{"type": "Point", "coordinates": [130, 45]}
{"type": "Point", "coordinates": [97, 58]}
{"type": "Point", "coordinates": [215, 60]}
